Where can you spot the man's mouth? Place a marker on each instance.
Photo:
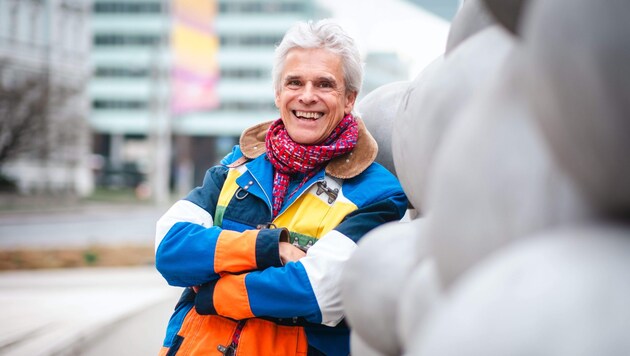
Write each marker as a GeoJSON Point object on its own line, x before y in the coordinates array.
{"type": "Point", "coordinates": [308, 115]}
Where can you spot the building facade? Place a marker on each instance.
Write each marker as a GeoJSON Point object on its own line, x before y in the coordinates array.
{"type": "Point", "coordinates": [44, 64]}
{"type": "Point", "coordinates": [130, 88]}
{"type": "Point", "coordinates": [141, 142]}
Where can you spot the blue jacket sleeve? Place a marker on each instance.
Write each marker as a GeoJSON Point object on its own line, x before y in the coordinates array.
{"type": "Point", "coordinates": [191, 251]}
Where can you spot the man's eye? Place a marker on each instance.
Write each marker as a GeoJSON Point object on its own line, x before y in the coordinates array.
{"type": "Point", "coordinates": [293, 83]}
{"type": "Point", "coordinates": [325, 85]}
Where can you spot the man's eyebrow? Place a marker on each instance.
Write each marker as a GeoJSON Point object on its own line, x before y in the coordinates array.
{"type": "Point", "coordinates": [319, 79]}
{"type": "Point", "coordinates": [327, 79]}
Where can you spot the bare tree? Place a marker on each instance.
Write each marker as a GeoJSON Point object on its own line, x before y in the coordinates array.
{"type": "Point", "coordinates": [23, 106]}
{"type": "Point", "coordinates": [27, 101]}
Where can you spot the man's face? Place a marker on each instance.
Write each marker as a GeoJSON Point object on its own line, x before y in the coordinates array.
{"type": "Point", "coordinates": [312, 98]}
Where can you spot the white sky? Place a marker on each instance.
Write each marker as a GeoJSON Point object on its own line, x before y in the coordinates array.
{"type": "Point", "coordinates": [393, 25]}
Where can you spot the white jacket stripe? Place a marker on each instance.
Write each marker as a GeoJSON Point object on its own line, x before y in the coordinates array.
{"type": "Point", "coordinates": [181, 211]}
{"type": "Point", "coordinates": [323, 264]}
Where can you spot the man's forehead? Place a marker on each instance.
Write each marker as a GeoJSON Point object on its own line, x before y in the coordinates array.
{"type": "Point", "coordinates": [312, 62]}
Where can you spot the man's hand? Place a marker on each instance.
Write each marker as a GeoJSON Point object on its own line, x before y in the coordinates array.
{"type": "Point", "coordinates": [290, 253]}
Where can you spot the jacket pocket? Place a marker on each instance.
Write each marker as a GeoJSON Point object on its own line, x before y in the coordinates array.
{"type": "Point", "coordinates": [204, 334]}
{"type": "Point", "coordinates": [262, 337]}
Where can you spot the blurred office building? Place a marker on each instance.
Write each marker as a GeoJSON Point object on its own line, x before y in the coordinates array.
{"type": "Point", "coordinates": [44, 136]}
{"type": "Point", "coordinates": [175, 82]}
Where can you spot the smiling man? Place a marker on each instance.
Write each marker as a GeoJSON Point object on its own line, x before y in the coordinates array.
{"type": "Point", "coordinates": [261, 244]}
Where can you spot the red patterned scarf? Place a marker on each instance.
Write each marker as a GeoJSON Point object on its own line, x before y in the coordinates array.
{"type": "Point", "coordinates": [289, 157]}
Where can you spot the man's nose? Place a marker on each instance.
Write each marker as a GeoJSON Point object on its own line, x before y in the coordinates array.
{"type": "Point", "coordinates": [308, 94]}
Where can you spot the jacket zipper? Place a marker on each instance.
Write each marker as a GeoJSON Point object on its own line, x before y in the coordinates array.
{"type": "Point", "coordinates": [296, 198]}
{"type": "Point", "coordinates": [261, 188]}
{"type": "Point", "coordinates": [332, 195]}
{"type": "Point", "coordinates": [230, 350]}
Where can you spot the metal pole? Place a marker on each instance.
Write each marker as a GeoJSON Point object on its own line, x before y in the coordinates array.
{"type": "Point", "coordinates": [161, 112]}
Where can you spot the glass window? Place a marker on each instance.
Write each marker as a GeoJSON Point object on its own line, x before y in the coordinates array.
{"type": "Point", "coordinates": [250, 40]}
{"type": "Point", "coordinates": [119, 104]}
{"type": "Point", "coordinates": [121, 72]}
{"type": "Point", "coordinates": [262, 7]}
{"type": "Point", "coordinates": [126, 40]}
{"type": "Point", "coordinates": [14, 18]}
{"type": "Point", "coordinates": [118, 7]}
{"type": "Point", "coordinates": [249, 106]}
{"type": "Point", "coordinates": [241, 73]}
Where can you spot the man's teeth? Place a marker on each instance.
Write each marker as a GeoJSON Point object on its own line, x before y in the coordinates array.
{"type": "Point", "coordinates": [309, 114]}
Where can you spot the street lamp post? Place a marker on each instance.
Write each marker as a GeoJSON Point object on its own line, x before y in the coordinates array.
{"type": "Point", "coordinates": [161, 117]}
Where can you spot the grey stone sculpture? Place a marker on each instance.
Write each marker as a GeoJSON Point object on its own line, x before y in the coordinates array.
{"type": "Point", "coordinates": [404, 145]}
{"type": "Point", "coordinates": [471, 18]}
{"type": "Point", "coordinates": [380, 269]}
{"type": "Point", "coordinates": [494, 180]}
{"type": "Point", "coordinates": [561, 293]}
{"type": "Point", "coordinates": [508, 12]}
{"type": "Point", "coordinates": [378, 110]}
{"type": "Point", "coordinates": [514, 151]}
{"type": "Point", "coordinates": [581, 93]}
{"type": "Point", "coordinates": [434, 100]}
{"type": "Point", "coordinates": [372, 283]}
{"type": "Point", "coordinates": [562, 290]}
{"type": "Point", "coordinates": [420, 294]}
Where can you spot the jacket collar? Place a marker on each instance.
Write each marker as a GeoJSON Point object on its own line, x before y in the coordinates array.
{"type": "Point", "coordinates": [349, 165]}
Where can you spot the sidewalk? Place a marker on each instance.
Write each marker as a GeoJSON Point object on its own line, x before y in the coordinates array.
{"type": "Point", "coordinates": [82, 311]}
{"type": "Point", "coordinates": [87, 311]}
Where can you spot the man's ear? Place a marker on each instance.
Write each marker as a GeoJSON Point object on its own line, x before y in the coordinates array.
{"type": "Point", "coordinates": [351, 97]}
{"type": "Point", "coordinates": [277, 99]}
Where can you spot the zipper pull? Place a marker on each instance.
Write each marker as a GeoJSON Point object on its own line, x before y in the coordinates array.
{"type": "Point", "coordinates": [227, 351]}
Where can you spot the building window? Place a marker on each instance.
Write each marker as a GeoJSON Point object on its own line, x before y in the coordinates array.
{"type": "Point", "coordinates": [250, 40]}
{"type": "Point", "coordinates": [262, 7]}
{"type": "Point", "coordinates": [14, 20]}
{"type": "Point", "coordinates": [247, 106]}
{"type": "Point", "coordinates": [69, 14]}
{"type": "Point", "coordinates": [242, 73]}
{"type": "Point", "coordinates": [122, 7]}
{"type": "Point", "coordinates": [121, 72]}
{"type": "Point", "coordinates": [126, 40]}
{"type": "Point", "coordinates": [35, 21]}
{"type": "Point", "coordinates": [119, 104]}
{"type": "Point", "coordinates": [78, 33]}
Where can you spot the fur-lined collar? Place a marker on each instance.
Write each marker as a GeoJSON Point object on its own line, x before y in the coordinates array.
{"type": "Point", "coordinates": [346, 166]}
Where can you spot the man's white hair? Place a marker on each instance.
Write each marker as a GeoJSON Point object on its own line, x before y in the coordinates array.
{"type": "Point", "coordinates": [324, 34]}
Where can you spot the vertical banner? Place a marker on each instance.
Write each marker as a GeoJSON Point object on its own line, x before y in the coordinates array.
{"type": "Point", "coordinates": [194, 45]}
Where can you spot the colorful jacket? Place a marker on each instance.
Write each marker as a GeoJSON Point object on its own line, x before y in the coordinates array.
{"type": "Point", "coordinates": [219, 238]}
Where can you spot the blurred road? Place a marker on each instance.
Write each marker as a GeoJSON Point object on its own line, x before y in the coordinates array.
{"type": "Point", "coordinates": [79, 227]}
